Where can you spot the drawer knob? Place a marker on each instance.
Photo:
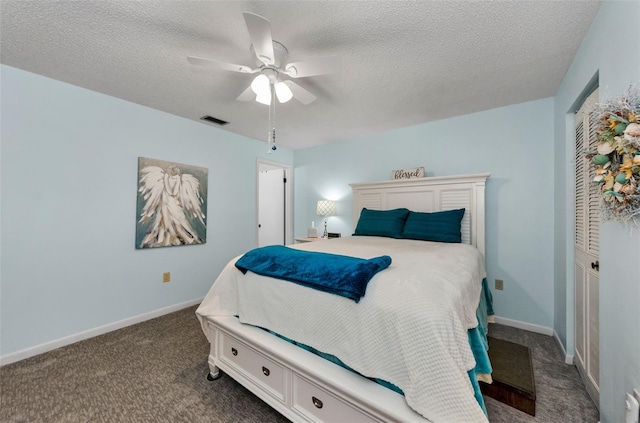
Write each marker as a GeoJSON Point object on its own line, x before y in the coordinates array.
{"type": "Point", "coordinates": [316, 402]}
{"type": "Point", "coordinates": [265, 371]}
{"type": "Point", "coordinates": [234, 351]}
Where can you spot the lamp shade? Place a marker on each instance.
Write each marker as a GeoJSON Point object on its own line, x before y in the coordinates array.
{"type": "Point", "coordinates": [264, 98]}
{"type": "Point", "coordinates": [260, 85]}
{"type": "Point", "coordinates": [283, 92]}
{"type": "Point", "coordinates": [326, 208]}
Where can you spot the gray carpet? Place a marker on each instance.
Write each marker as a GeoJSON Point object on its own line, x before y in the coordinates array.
{"type": "Point", "coordinates": [155, 372]}
{"type": "Point", "coordinates": [560, 393]}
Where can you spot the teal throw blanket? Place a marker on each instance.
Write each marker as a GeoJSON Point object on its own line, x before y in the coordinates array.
{"type": "Point", "coordinates": [341, 275]}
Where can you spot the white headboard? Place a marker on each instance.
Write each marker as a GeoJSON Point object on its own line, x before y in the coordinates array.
{"type": "Point", "coordinates": [428, 195]}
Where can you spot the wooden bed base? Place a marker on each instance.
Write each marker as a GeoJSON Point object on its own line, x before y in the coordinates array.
{"type": "Point", "coordinates": [297, 383]}
{"type": "Point", "coordinates": [307, 388]}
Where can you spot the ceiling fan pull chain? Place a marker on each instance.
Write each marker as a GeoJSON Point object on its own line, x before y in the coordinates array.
{"type": "Point", "coordinates": [273, 131]}
{"type": "Point", "coordinates": [272, 123]}
{"type": "Point", "coordinates": [273, 138]}
{"type": "Point", "coordinates": [269, 130]}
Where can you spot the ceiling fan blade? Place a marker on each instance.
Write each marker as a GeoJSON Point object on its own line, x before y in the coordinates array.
{"type": "Point", "coordinates": [300, 94]}
{"type": "Point", "coordinates": [246, 95]}
{"type": "Point", "coordinates": [260, 33]}
{"type": "Point", "coordinates": [214, 64]}
{"type": "Point", "coordinates": [320, 66]}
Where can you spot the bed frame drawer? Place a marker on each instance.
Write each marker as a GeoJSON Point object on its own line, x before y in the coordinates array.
{"type": "Point", "coordinates": [265, 372]}
{"type": "Point", "coordinates": [317, 404]}
{"type": "Point", "coordinates": [296, 376]}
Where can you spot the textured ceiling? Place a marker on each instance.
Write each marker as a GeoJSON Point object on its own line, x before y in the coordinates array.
{"type": "Point", "coordinates": [403, 63]}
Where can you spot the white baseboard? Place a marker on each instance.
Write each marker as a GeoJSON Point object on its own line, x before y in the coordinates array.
{"type": "Point", "coordinates": [90, 333]}
{"type": "Point", "coordinates": [568, 358]}
{"type": "Point", "coordinates": [524, 325]}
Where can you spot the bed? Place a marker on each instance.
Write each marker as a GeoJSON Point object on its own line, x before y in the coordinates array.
{"type": "Point", "coordinates": [406, 344]}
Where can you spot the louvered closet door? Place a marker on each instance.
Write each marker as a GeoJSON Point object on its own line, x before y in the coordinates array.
{"type": "Point", "coordinates": [587, 232]}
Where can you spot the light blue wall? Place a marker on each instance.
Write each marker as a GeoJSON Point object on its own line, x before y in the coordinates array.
{"type": "Point", "coordinates": [611, 50]}
{"type": "Point", "coordinates": [514, 144]}
{"type": "Point", "coordinates": [69, 179]}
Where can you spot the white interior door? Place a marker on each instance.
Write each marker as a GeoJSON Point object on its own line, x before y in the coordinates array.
{"type": "Point", "coordinates": [586, 248]}
{"type": "Point", "coordinates": [274, 203]}
{"type": "Point", "coordinates": [271, 207]}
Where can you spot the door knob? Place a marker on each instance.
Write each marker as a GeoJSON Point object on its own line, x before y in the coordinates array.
{"type": "Point", "coordinates": [595, 265]}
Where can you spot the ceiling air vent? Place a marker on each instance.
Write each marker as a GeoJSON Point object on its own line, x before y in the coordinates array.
{"type": "Point", "coordinates": [214, 120]}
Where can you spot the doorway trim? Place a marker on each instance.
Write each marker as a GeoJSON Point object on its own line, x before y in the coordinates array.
{"type": "Point", "coordinates": [261, 165]}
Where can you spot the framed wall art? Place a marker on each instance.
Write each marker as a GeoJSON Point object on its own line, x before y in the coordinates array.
{"type": "Point", "coordinates": [172, 204]}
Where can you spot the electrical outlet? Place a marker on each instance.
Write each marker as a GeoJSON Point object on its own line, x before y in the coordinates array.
{"type": "Point", "coordinates": [166, 277]}
{"type": "Point", "coordinates": [499, 284]}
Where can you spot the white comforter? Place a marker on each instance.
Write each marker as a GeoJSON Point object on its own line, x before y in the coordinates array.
{"type": "Point", "coordinates": [409, 329]}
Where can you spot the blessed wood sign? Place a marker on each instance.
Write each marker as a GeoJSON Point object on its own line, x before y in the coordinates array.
{"type": "Point", "coordinates": [415, 172]}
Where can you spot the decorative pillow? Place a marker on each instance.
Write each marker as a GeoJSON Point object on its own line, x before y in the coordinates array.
{"type": "Point", "coordinates": [441, 226]}
{"type": "Point", "coordinates": [387, 223]}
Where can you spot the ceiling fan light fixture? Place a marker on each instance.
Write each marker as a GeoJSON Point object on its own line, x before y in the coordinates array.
{"type": "Point", "coordinates": [260, 85]}
{"type": "Point", "coordinates": [283, 92]}
{"type": "Point", "coordinates": [264, 98]}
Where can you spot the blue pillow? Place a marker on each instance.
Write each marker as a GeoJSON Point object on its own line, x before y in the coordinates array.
{"type": "Point", "coordinates": [441, 226]}
{"type": "Point", "coordinates": [387, 223]}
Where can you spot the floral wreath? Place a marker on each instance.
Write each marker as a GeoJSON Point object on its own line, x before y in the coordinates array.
{"type": "Point", "coordinates": [617, 158]}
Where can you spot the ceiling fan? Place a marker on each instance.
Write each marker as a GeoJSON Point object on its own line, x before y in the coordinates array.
{"type": "Point", "coordinates": [272, 65]}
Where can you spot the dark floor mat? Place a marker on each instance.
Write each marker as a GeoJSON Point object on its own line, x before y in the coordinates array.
{"type": "Point", "coordinates": [513, 380]}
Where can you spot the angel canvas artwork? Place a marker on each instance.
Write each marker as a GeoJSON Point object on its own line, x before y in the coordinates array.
{"type": "Point", "coordinates": [172, 204]}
